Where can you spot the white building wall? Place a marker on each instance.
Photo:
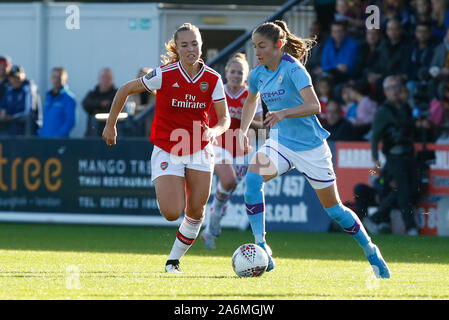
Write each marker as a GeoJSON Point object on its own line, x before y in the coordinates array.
{"type": "Point", "coordinates": [124, 37]}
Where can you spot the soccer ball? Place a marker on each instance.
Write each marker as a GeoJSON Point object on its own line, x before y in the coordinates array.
{"type": "Point", "coordinates": [249, 260]}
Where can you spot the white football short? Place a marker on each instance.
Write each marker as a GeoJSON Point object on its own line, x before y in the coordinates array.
{"type": "Point", "coordinates": [165, 163]}
{"type": "Point", "coordinates": [240, 164]}
{"type": "Point", "coordinates": [315, 164]}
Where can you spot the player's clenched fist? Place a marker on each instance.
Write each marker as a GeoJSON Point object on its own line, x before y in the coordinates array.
{"type": "Point", "coordinates": [110, 135]}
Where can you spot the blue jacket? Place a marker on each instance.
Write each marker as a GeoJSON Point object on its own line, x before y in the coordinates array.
{"type": "Point", "coordinates": [346, 54]}
{"type": "Point", "coordinates": [59, 114]}
{"type": "Point", "coordinates": [17, 103]}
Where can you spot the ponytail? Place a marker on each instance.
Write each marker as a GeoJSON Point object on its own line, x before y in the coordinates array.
{"type": "Point", "coordinates": [296, 47]}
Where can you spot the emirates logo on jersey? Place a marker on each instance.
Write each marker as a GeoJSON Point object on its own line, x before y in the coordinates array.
{"type": "Point", "coordinates": [164, 165]}
{"type": "Point", "coordinates": [204, 86]}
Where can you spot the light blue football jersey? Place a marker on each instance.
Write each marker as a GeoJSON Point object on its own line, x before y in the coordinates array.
{"type": "Point", "coordinates": [279, 90]}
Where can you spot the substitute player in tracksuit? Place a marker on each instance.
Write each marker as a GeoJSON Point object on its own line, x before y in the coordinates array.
{"type": "Point", "coordinates": [297, 140]}
{"type": "Point", "coordinates": [182, 160]}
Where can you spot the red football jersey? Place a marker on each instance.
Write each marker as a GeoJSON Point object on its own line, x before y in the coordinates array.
{"type": "Point", "coordinates": [228, 140]}
{"type": "Point", "coordinates": [182, 105]}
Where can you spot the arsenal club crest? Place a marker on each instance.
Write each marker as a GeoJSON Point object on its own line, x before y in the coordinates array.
{"type": "Point", "coordinates": [204, 86]}
{"type": "Point", "coordinates": [164, 165]}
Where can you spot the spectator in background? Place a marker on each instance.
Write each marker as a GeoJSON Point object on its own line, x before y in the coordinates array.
{"type": "Point", "coordinates": [392, 59]}
{"type": "Point", "coordinates": [5, 68]}
{"type": "Point", "coordinates": [324, 12]}
{"type": "Point", "coordinates": [439, 66]}
{"type": "Point", "coordinates": [324, 90]}
{"type": "Point", "coordinates": [339, 128]}
{"type": "Point", "coordinates": [313, 64]}
{"type": "Point", "coordinates": [18, 108]}
{"type": "Point", "coordinates": [99, 100]}
{"type": "Point", "coordinates": [348, 106]}
{"type": "Point", "coordinates": [142, 101]}
{"type": "Point", "coordinates": [59, 107]}
{"type": "Point", "coordinates": [339, 53]}
{"type": "Point", "coordinates": [396, 10]}
{"type": "Point", "coordinates": [440, 15]}
{"type": "Point", "coordinates": [364, 110]}
{"type": "Point", "coordinates": [422, 12]}
{"type": "Point", "coordinates": [421, 55]}
{"type": "Point", "coordinates": [368, 53]}
{"type": "Point", "coordinates": [393, 125]}
{"type": "Point", "coordinates": [349, 12]}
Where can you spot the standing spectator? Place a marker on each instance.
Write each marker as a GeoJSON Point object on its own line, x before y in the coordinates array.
{"type": "Point", "coordinates": [393, 125]}
{"type": "Point", "coordinates": [59, 107]}
{"type": "Point", "coordinates": [396, 10]}
{"type": "Point", "coordinates": [99, 100]}
{"type": "Point", "coordinates": [19, 104]}
{"type": "Point", "coordinates": [339, 128]}
{"type": "Point", "coordinates": [339, 53]}
{"type": "Point", "coordinates": [5, 68]}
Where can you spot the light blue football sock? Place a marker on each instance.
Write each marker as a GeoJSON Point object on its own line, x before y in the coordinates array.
{"type": "Point", "coordinates": [351, 224]}
{"type": "Point", "coordinates": [255, 205]}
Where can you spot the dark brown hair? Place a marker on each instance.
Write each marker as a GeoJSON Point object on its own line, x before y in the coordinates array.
{"type": "Point", "coordinates": [293, 45]}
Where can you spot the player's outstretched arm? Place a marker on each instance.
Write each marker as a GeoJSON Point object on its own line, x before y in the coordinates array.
{"type": "Point", "coordinates": [129, 88]}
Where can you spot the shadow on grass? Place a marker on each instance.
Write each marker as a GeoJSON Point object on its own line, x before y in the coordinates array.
{"type": "Point", "coordinates": [159, 240]}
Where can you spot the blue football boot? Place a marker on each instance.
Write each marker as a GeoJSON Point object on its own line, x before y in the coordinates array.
{"type": "Point", "coordinates": [379, 265]}
{"type": "Point", "coordinates": [267, 249]}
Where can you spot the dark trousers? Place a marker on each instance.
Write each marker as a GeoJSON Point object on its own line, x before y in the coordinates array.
{"type": "Point", "coordinates": [402, 170]}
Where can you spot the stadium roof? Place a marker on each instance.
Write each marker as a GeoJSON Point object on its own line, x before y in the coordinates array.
{"type": "Point", "coordinates": [183, 2]}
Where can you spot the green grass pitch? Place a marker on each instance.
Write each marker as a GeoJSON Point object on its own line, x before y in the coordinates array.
{"type": "Point", "coordinates": [101, 262]}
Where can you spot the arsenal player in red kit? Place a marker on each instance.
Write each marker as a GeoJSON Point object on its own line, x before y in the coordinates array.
{"type": "Point", "coordinates": [182, 161]}
{"type": "Point", "coordinates": [231, 161]}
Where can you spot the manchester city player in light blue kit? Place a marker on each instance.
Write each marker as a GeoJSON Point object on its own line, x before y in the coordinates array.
{"type": "Point", "coordinates": [297, 139]}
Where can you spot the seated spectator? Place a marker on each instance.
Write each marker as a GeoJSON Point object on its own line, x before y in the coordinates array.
{"type": "Point", "coordinates": [433, 120]}
{"type": "Point", "coordinates": [314, 62]}
{"type": "Point", "coordinates": [391, 59]}
{"type": "Point", "coordinates": [439, 66]}
{"type": "Point", "coordinates": [324, 92]}
{"type": "Point", "coordinates": [365, 107]}
{"type": "Point", "coordinates": [59, 107]}
{"type": "Point", "coordinates": [421, 53]}
{"type": "Point", "coordinates": [99, 100]}
{"type": "Point", "coordinates": [324, 12]}
{"type": "Point", "coordinates": [18, 108]}
{"type": "Point", "coordinates": [349, 12]}
{"type": "Point", "coordinates": [142, 101]}
{"type": "Point", "coordinates": [396, 10]}
{"type": "Point", "coordinates": [422, 13]}
{"type": "Point", "coordinates": [440, 16]}
{"type": "Point", "coordinates": [339, 128]}
{"type": "Point", "coordinates": [339, 53]}
{"type": "Point", "coordinates": [5, 67]}
{"type": "Point", "coordinates": [368, 53]}
{"type": "Point", "coordinates": [348, 105]}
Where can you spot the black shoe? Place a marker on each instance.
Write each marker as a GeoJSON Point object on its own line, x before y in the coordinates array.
{"type": "Point", "coordinates": [172, 266]}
